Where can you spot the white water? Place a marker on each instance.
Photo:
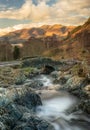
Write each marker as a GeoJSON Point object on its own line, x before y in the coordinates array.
{"type": "Point", "coordinates": [55, 106]}
{"type": "Point", "coordinates": [45, 80]}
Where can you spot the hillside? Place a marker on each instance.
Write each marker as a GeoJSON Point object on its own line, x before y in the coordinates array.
{"type": "Point", "coordinates": [21, 36]}
{"type": "Point", "coordinates": [56, 41]}
{"type": "Point", "coordinates": [76, 45]}
{"type": "Point", "coordinates": [57, 29]}
{"type": "Point", "coordinates": [33, 41]}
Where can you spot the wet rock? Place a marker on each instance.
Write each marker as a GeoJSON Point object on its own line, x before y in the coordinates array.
{"type": "Point", "coordinates": [62, 78]}
{"type": "Point", "coordinates": [7, 96]}
{"type": "Point", "coordinates": [85, 105]}
{"type": "Point", "coordinates": [20, 79]}
{"type": "Point", "coordinates": [73, 82]}
{"type": "Point", "coordinates": [8, 121]}
{"type": "Point", "coordinates": [47, 69]}
{"type": "Point", "coordinates": [34, 123]}
{"type": "Point", "coordinates": [79, 86]}
{"type": "Point", "coordinates": [3, 127]}
{"type": "Point", "coordinates": [3, 101]}
{"type": "Point", "coordinates": [14, 111]}
{"type": "Point", "coordinates": [22, 96]}
{"type": "Point", "coordinates": [55, 74]}
{"type": "Point", "coordinates": [75, 85]}
{"type": "Point", "coordinates": [14, 103]}
{"type": "Point", "coordinates": [23, 127]}
{"type": "Point", "coordinates": [2, 111]}
{"type": "Point", "coordinates": [30, 99]}
{"type": "Point", "coordinates": [36, 84]}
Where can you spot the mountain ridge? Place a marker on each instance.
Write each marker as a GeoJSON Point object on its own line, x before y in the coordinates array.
{"type": "Point", "coordinates": [43, 31]}
{"type": "Point", "coordinates": [56, 41]}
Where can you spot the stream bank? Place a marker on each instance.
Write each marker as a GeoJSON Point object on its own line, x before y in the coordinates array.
{"type": "Point", "coordinates": [31, 100]}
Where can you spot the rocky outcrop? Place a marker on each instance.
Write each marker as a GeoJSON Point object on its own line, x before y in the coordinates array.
{"type": "Point", "coordinates": [34, 123]}
{"type": "Point", "coordinates": [77, 86]}
{"type": "Point", "coordinates": [16, 110]}
{"type": "Point", "coordinates": [29, 100]}
{"type": "Point", "coordinates": [20, 79]}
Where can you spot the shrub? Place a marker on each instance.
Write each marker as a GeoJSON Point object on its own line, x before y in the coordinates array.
{"type": "Point", "coordinates": [16, 53]}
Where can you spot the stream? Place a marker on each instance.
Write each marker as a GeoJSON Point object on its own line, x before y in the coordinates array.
{"type": "Point", "coordinates": [57, 106]}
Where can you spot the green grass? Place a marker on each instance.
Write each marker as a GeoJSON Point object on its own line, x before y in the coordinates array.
{"type": "Point", "coordinates": [27, 70]}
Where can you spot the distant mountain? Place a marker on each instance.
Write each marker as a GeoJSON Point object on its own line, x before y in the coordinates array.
{"type": "Point", "coordinates": [57, 29]}
{"type": "Point", "coordinates": [75, 45]}
{"type": "Point", "coordinates": [21, 36]}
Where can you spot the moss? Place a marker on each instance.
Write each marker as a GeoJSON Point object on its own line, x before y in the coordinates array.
{"type": "Point", "coordinates": [27, 70]}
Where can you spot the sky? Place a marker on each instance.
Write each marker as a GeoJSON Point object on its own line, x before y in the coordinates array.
{"type": "Point", "coordinates": [17, 14]}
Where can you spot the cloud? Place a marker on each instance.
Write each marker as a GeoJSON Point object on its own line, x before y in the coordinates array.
{"type": "Point", "coordinates": [68, 12]}
{"type": "Point", "coordinates": [21, 13]}
{"type": "Point", "coordinates": [6, 30]}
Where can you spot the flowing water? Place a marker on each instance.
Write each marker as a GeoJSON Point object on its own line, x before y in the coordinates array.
{"type": "Point", "coordinates": [56, 108]}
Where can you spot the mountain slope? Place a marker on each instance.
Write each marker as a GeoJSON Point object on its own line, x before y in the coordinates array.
{"type": "Point", "coordinates": [21, 36]}
{"type": "Point", "coordinates": [57, 29]}
{"type": "Point", "coordinates": [76, 45]}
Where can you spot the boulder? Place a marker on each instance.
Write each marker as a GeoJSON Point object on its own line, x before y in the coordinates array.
{"type": "Point", "coordinates": [2, 111]}
{"type": "Point", "coordinates": [84, 105]}
{"type": "Point", "coordinates": [73, 82]}
{"type": "Point", "coordinates": [34, 123]}
{"type": "Point", "coordinates": [3, 127]}
{"type": "Point", "coordinates": [55, 74]}
{"type": "Point", "coordinates": [15, 102]}
{"type": "Point", "coordinates": [23, 96]}
{"type": "Point", "coordinates": [7, 121]}
{"type": "Point", "coordinates": [36, 84]}
{"type": "Point", "coordinates": [20, 79]}
{"type": "Point", "coordinates": [30, 99]}
{"type": "Point", "coordinates": [79, 87]}
{"type": "Point", "coordinates": [14, 111]}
